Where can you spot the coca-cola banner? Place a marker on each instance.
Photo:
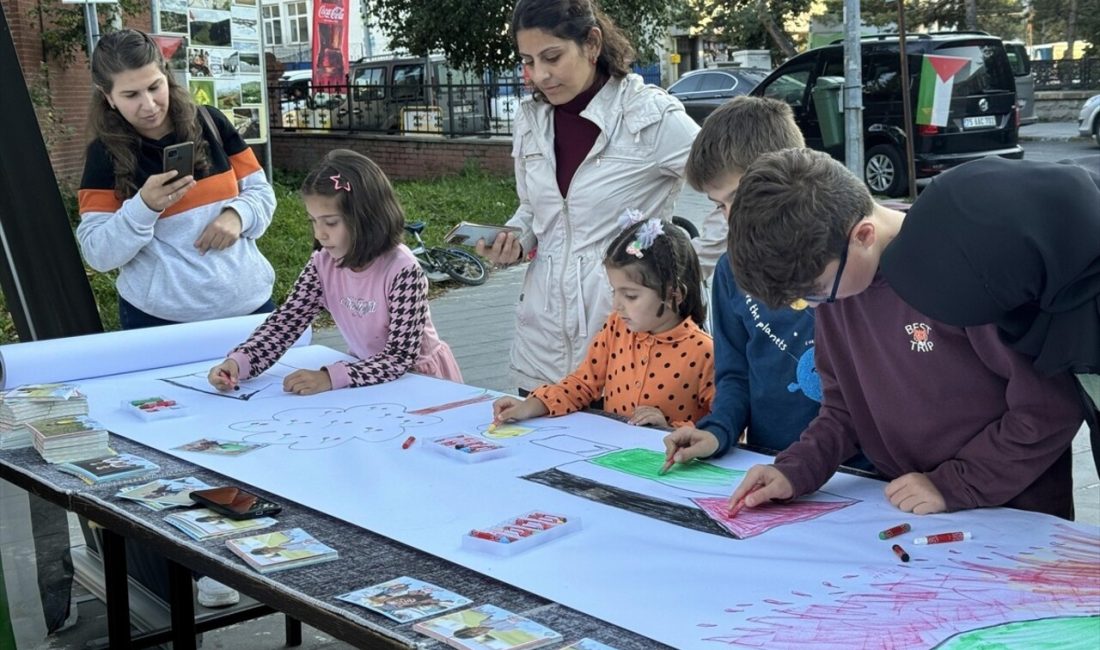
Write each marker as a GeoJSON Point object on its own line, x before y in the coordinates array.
{"type": "Point", "coordinates": [330, 43]}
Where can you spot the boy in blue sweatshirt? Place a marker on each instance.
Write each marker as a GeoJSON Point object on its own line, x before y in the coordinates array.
{"type": "Point", "coordinates": [764, 358]}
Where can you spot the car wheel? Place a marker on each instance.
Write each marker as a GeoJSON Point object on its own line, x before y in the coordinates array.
{"type": "Point", "coordinates": [884, 171]}
{"type": "Point", "coordinates": [1096, 131]}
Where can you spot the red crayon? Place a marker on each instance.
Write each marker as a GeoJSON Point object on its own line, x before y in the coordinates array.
{"type": "Point", "coordinates": [895, 531]}
{"type": "Point", "coordinates": [741, 502]}
{"type": "Point", "coordinates": [943, 538]}
{"type": "Point", "coordinates": [480, 534]}
{"type": "Point", "coordinates": [900, 552]}
{"type": "Point", "coordinates": [408, 442]}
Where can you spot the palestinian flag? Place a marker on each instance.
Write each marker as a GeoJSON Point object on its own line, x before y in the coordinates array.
{"type": "Point", "coordinates": [936, 83]}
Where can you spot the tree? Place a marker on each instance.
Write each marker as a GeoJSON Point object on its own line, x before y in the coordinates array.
{"type": "Point", "coordinates": [474, 33]}
{"type": "Point", "coordinates": [1004, 18]}
{"type": "Point", "coordinates": [745, 24]}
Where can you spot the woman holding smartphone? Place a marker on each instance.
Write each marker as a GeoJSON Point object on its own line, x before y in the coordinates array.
{"type": "Point", "coordinates": [183, 239]}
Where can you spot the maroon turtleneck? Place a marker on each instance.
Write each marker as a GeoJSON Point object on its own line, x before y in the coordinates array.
{"type": "Point", "coordinates": [573, 134]}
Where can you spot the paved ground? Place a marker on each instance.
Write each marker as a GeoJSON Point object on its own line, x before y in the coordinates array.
{"type": "Point", "coordinates": [478, 323]}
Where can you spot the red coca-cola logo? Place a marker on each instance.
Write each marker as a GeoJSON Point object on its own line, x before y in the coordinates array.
{"type": "Point", "coordinates": [331, 12]}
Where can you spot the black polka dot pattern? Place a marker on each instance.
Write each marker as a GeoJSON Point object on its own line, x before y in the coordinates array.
{"type": "Point", "coordinates": [679, 381]}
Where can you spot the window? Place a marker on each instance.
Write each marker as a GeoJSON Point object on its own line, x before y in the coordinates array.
{"type": "Point", "coordinates": [686, 85]}
{"type": "Point", "coordinates": [273, 25]}
{"type": "Point", "coordinates": [791, 87]}
{"type": "Point", "coordinates": [297, 18]}
{"type": "Point", "coordinates": [408, 81]}
{"type": "Point", "coordinates": [715, 82]}
{"type": "Point", "coordinates": [370, 83]}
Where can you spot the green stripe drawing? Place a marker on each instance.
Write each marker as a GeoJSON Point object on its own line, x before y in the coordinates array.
{"type": "Point", "coordinates": [695, 476]}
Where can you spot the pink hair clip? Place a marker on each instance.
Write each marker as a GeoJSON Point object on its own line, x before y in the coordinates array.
{"type": "Point", "coordinates": [340, 185]}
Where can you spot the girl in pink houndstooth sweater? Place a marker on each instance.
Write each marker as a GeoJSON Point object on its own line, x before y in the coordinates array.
{"type": "Point", "coordinates": [364, 276]}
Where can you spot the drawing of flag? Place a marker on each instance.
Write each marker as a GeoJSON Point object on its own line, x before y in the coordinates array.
{"type": "Point", "coordinates": [936, 83]}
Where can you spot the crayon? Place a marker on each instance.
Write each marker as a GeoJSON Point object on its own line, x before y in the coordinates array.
{"type": "Point", "coordinates": [481, 534]}
{"type": "Point", "coordinates": [408, 442]}
{"type": "Point", "coordinates": [741, 502]}
{"type": "Point", "coordinates": [900, 552]}
{"type": "Point", "coordinates": [895, 531]}
{"type": "Point", "coordinates": [667, 466]}
{"type": "Point", "coordinates": [943, 538]}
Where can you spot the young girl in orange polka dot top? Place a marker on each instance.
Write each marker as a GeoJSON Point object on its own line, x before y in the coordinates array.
{"type": "Point", "coordinates": [651, 362]}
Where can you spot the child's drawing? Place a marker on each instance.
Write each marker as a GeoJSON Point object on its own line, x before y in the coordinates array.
{"type": "Point", "coordinates": [321, 428]}
{"type": "Point", "coordinates": [695, 476]}
{"type": "Point", "coordinates": [750, 522]}
{"type": "Point", "coordinates": [574, 445]}
{"type": "Point", "coordinates": [269, 384]}
{"type": "Point", "coordinates": [505, 431]}
{"type": "Point", "coordinates": [1045, 598]}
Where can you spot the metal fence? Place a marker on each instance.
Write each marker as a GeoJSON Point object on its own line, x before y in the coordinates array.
{"type": "Point", "coordinates": [445, 109]}
{"type": "Point", "coordinates": [1067, 74]}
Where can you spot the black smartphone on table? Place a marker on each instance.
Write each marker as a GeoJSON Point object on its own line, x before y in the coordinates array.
{"type": "Point", "coordinates": [235, 502]}
{"type": "Point", "coordinates": [180, 157]}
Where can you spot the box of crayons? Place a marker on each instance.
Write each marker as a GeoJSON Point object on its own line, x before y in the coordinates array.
{"type": "Point", "coordinates": [154, 408]}
{"type": "Point", "coordinates": [467, 448]}
{"type": "Point", "coordinates": [517, 534]}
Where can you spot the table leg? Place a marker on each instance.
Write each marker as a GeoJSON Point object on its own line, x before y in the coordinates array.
{"type": "Point", "coordinates": [293, 631]}
{"type": "Point", "coordinates": [182, 603]}
{"type": "Point", "coordinates": [117, 588]}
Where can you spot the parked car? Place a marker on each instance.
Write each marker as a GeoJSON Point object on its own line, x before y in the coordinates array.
{"type": "Point", "coordinates": [1088, 122]}
{"type": "Point", "coordinates": [300, 106]}
{"type": "Point", "coordinates": [983, 118]}
{"type": "Point", "coordinates": [414, 94]}
{"type": "Point", "coordinates": [702, 91]}
{"type": "Point", "coordinates": [1025, 81]}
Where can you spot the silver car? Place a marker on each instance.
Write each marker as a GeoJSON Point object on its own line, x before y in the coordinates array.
{"type": "Point", "coordinates": [1088, 122]}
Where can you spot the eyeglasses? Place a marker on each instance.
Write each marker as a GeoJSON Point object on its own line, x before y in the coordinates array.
{"type": "Point", "coordinates": [831, 298]}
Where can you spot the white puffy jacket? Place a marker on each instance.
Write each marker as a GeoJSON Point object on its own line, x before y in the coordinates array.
{"type": "Point", "coordinates": [636, 162]}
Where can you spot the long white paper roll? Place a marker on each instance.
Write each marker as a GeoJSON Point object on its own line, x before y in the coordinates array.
{"type": "Point", "coordinates": [111, 353]}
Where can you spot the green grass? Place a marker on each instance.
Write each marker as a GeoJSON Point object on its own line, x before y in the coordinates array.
{"type": "Point", "coordinates": [470, 196]}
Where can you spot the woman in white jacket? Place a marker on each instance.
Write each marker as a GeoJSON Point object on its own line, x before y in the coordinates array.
{"type": "Point", "coordinates": [594, 141]}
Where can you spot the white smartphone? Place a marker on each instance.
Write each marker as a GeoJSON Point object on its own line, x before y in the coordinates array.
{"type": "Point", "coordinates": [467, 234]}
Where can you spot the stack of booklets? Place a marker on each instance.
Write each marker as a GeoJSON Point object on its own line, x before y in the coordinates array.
{"type": "Point", "coordinates": [69, 438]}
{"type": "Point", "coordinates": [488, 627]}
{"type": "Point", "coordinates": [108, 469]}
{"type": "Point", "coordinates": [25, 404]}
{"type": "Point", "coordinates": [202, 524]}
{"type": "Point", "coordinates": [287, 549]}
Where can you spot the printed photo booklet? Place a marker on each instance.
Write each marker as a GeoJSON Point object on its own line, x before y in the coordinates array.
{"type": "Point", "coordinates": [286, 549]}
{"type": "Point", "coordinates": [406, 599]}
{"type": "Point", "coordinates": [108, 469]}
{"type": "Point", "coordinates": [164, 493]}
{"type": "Point", "coordinates": [488, 627]}
{"type": "Point", "coordinates": [202, 524]}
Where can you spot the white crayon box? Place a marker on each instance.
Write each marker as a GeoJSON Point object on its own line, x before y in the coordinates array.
{"type": "Point", "coordinates": [466, 448]}
{"type": "Point", "coordinates": [155, 408]}
{"type": "Point", "coordinates": [519, 533]}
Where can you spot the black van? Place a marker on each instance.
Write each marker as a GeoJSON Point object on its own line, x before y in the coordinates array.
{"type": "Point", "coordinates": [983, 119]}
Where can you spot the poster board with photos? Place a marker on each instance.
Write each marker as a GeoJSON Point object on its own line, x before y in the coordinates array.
{"type": "Point", "coordinates": [213, 48]}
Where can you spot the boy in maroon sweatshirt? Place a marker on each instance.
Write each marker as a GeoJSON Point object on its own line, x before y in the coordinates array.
{"type": "Point", "coordinates": [951, 415]}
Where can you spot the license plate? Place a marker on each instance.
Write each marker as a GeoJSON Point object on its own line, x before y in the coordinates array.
{"type": "Point", "coordinates": [979, 122]}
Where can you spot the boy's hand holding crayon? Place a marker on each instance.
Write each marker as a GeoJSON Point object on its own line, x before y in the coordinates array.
{"type": "Point", "coordinates": [513, 409]}
{"type": "Point", "coordinates": [688, 443]}
{"type": "Point", "coordinates": [762, 483]}
{"type": "Point", "coordinates": [224, 376]}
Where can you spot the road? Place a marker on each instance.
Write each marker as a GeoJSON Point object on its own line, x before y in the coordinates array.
{"type": "Point", "coordinates": [1055, 150]}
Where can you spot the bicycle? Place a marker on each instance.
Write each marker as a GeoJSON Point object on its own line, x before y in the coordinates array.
{"type": "Point", "coordinates": [440, 263]}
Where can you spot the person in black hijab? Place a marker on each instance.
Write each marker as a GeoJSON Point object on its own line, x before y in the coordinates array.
{"type": "Point", "coordinates": [1015, 243]}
